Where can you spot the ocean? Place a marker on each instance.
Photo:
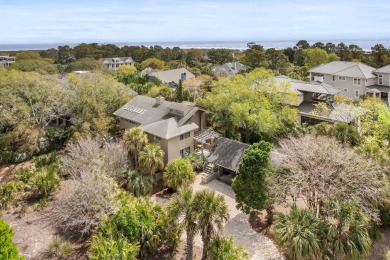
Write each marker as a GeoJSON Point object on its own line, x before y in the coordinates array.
{"type": "Point", "coordinates": [234, 45]}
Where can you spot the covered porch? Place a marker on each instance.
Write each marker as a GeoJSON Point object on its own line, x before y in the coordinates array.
{"type": "Point", "coordinates": [204, 142]}
{"type": "Point", "coordinates": [223, 163]}
{"type": "Point", "coordinates": [379, 91]}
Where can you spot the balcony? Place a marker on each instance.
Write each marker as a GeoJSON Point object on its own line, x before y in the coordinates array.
{"type": "Point", "coordinates": [318, 79]}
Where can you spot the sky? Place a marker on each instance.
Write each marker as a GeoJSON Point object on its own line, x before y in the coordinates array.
{"type": "Point", "coordinates": [71, 21]}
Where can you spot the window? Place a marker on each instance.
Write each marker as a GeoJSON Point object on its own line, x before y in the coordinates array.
{"type": "Point", "coordinates": [185, 151]}
{"type": "Point", "coordinates": [345, 90]}
{"type": "Point", "coordinates": [357, 93]}
{"type": "Point", "coordinates": [380, 79]}
{"type": "Point", "coordinates": [356, 82]}
{"type": "Point", "coordinates": [333, 78]}
{"type": "Point", "coordinates": [342, 78]}
{"type": "Point", "coordinates": [184, 136]}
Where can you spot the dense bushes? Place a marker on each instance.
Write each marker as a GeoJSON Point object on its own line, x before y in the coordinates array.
{"type": "Point", "coordinates": [141, 222]}
{"type": "Point", "coordinates": [38, 181]}
{"type": "Point", "coordinates": [341, 131]}
{"type": "Point", "coordinates": [221, 248]}
{"type": "Point", "coordinates": [342, 232]}
{"type": "Point", "coordinates": [44, 182]}
{"type": "Point", "coordinates": [8, 250]}
{"type": "Point", "coordinates": [90, 198]}
{"type": "Point", "coordinates": [112, 247]}
{"type": "Point", "coordinates": [179, 173]}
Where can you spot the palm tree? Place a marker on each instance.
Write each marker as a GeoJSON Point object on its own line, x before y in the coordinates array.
{"type": "Point", "coordinates": [138, 183]}
{"type": "Point", "coordinates": [179, 173]}
{"type": "Point", "coordinates": [221, 248]}
{"type": "Point", "coordinates": [348, 235]}
{"type": "Point", "coordinates": [181, 210]}
{"type": "Point", "coordinates": [212, 212]}
{"type": "Point", "coordinates": [299, 231]}
{"type": "Point", "coordinates": [151, 158]}
{"type": "Point", "coordinates": [195, 160]}
{"type": "Point", "coordinates": [135, 139]}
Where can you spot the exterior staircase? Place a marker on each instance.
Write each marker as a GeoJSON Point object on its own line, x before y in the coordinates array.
{"type": "Point", "coordinates": [209, 173]}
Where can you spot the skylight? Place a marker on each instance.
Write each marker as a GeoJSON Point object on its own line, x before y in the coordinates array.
{"type": "Point", "coordinates": [134, 109]}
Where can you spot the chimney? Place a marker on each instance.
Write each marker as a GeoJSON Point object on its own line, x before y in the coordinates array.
{"type": "Point", "coordinates": [159, 100]}
{"type": "Point", "coordinates": [183, 76]}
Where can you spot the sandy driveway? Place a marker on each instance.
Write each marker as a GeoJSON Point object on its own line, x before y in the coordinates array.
{"type": "Point", "coordinates": [258, 246]}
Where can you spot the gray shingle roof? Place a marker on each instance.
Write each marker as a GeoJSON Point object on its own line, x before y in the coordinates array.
{"type": "Point", "coordinates": [158, 119]}
{"type": "Point", "coordinates": [230, 67]}
{"type": "Point", "coordinates": [302, 86]}
{"type": "Point", "coordinates": [168, 128]}
{"type": "Point", "coordinates": [345, 69]}
{"type": "Point", "coordinates": [385, 69]}
{"type": "Point", "coordinates": [379, 88]}
{"type": "Point", "coordinates": [168, 76]}
{"type": "Point", "coordinates": [337, 112]}
{"type": "Point", "coordinates": [228, 153]}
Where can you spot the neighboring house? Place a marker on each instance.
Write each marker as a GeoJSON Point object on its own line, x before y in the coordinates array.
{"type": "Point", "coordinates": [115, 63]}
{"type": "Point", "coordinates": [352, 78]}
{"type": "Point", "coordinates": [172, 125]}
{"type": "Point", "coordinates": [172, 77]}
{"type": "Point", "coordinates": [381, 89]}
{"type": "Point", "coordinates": [311, 94]}
{"type": "Point", "coordinates": [228, 69]}
{"type": "Point", "coordinates": [6, 61]}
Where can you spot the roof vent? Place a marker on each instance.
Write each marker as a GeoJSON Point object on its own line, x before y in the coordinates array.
{"type": "Point", "coordinates": [159, 100]}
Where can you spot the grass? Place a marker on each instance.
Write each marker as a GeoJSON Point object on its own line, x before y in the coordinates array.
{"type": "Point", "coordinates": [59, 248]}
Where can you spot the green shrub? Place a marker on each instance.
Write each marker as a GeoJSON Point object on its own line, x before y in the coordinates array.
{"type": "Point", "coordinates": [44, 182]}
{"type": "Point", "coordinates": [221, 248]}
{"type": "Point", "coordinates": [59, 249]}
{"type": "Point", "coordinates": [8, 250]}
{"type": "Point", "coordinates": [23, 174]}
{"type": "Point", "coordinates": [7, 194]}
{"type": "Point", "coordinates": [143, 223]}
{"type": "Point", "coordinates": [195, 160]}
{"type": "Point", "coordinates": [46, 160]}
{"type": "Point", "coordinates": [112, 248]}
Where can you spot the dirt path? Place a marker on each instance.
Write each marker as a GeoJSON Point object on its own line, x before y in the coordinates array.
{"type": "Point", "coordinates": [35, 230]}
{"type": "Point", "coordinates": [258, 246]}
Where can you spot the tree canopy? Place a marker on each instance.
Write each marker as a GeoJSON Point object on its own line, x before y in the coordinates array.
{"type": "Point", "coordinates": [319, 169]}
{"type": "Point", "coordinates": [250, 185]}
{"type": "Point", "coordinates": [250, 103]}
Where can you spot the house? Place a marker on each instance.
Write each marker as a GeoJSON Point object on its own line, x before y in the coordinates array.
{"type": "Point", "coordinates": [6, 60]}
{"type": "Point", "coordinates": [115, 63]}
{"type": "Point", "coordinates": [228, 69]}
{"type": "Point", "coordinates": [381, 89]}
{"type": "Point", "coordinates": [172, 77]}
{"type": "Point", "coordinates": [173, 125]}
{"type": "Point", "coordinates": [310, 94]}
{"type": "Point", "coordinates": [352, 78]}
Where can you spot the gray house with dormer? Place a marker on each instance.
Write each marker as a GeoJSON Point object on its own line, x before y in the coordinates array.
{"type": "Point", "coordinates": [173, 125]}
{"type": "Point", "coordinates": [311, 95]}
{"type": "Point", "coordinates": [354, 79]}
